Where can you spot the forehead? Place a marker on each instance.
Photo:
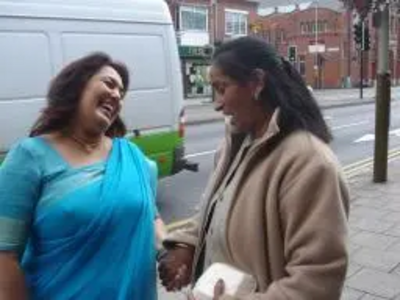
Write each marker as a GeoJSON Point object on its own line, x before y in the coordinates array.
{"type": "Point", "coordinates": [109, 72]}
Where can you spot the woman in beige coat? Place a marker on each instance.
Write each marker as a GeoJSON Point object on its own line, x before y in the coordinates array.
{"type": "Point", "coordinates": [276, 205]}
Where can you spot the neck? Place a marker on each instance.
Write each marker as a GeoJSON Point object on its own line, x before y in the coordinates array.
{"type": "Point", "coordinates": [84, 139]}
{"type": "Point", "coordinates": [261, 126]}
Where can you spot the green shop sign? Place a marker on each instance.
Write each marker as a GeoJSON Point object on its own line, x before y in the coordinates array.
{"type": "Point", "coordinates": [195, 52]}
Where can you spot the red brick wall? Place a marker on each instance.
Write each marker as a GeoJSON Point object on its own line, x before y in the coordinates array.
{"type": "Point", "coordinates": [333, 69]}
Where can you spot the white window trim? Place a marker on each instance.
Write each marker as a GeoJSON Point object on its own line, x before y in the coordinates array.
{"type": "Point", "coordinates": [188, 6]}
{"type": "Point", "coordinates": [237, 11]}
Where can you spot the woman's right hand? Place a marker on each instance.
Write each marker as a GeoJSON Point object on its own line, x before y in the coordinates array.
{"type": "Point", "coordinates": [175, 267]}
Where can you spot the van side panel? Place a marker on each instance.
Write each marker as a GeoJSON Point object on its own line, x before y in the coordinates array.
{"type": "Point", "coordinates": [25, 58]}
{"type": "Point", "coordinates": [39, 37]}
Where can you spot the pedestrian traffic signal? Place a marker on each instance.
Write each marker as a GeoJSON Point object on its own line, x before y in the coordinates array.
{"type": "Point", "coordinates": [292, 53]}
{"type": "Point", "coordinates": [358, 34]}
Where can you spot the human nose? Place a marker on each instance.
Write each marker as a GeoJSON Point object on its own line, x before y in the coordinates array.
{"type": "Point", "coordinates": [218, 102]}
{"type": "Point", "coordinates": [116, 94]}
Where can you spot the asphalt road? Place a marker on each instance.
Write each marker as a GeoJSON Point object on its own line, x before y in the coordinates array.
{"type": "Point", "coordinates": [353, 129]}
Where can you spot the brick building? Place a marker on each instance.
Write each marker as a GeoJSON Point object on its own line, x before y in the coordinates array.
{"type": "Point", "coordinates": [335, 61]}
{"type": "Point", "coordinates": [199, 23]}
{"type": "Point", "coordinates": [319, 38]}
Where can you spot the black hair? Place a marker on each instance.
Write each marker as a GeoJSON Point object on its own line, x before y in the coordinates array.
{"type": "Point", "coordinates": [284, 87]}
{"type": "Point", "coordinates": [65, 93]}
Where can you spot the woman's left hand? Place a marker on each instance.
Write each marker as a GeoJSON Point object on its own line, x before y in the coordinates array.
{"type": "Point", "coordinates": [219, 290]}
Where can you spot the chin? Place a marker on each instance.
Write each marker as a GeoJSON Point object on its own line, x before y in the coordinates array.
{"type": "Point", "coordinates": [102, 126]}
{"type": "Point", "coordinates": [235, 128]}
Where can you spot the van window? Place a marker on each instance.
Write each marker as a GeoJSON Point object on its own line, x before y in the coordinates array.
{"type": "Point", "coordinates": [145, 55]}
{"type": "Point", "coordinates": [25, 65]}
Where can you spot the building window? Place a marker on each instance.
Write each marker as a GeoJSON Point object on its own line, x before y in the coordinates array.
{"type": "Point", "coordinates": [302, 65]}
{"type": "Point", "coordinates": [282, 35]}
{"type": "Point", "coordinates": [325, 26]}
{"type": "Point", "coordinates": [321, 26]}
{"type": "Point", "coordinates": [268, 36]}
{"type": "Point", "coordinates": [193, 18]}
{"type": "Point", "coordinates": [303, 28]}
{"type": "Point", "coordinates": [309, 27]}
{"type": "Point", "coordinates": [235, 22]}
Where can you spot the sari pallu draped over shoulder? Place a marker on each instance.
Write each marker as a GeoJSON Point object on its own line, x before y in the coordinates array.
{"type": "Point", "coordinates": [93, 235]}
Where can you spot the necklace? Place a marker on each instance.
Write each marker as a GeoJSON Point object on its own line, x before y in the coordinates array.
{"type": "Point", "coordinates": [86, 145]}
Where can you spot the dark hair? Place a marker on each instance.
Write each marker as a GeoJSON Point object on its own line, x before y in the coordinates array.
{"type": "Point", "coordinates": [284, 86]}
{"type": "Point", "coordinates": [66, 90]}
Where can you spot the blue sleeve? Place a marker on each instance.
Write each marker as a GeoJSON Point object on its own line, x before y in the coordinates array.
{"type": "Point", "coordinates": [20, 180]}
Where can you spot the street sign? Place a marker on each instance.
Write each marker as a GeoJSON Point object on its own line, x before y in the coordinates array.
{"type": "Point", "coordinates": [333, 49]}
{"type": "Point", "coordinates": [195, 52]}
{"type": "Point", "coordinates": [319, 48]}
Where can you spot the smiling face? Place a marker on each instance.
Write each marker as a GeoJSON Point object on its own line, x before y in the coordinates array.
{"type": "Point", "coordinates": [101, 101]}
{"type": "Point", "coordinates": [236, 101]}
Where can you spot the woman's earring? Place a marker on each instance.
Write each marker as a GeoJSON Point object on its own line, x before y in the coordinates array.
{"type": "Point", "coordinates": [256, 96]}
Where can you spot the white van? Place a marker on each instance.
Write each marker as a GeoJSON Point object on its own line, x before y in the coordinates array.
{"type": "Point", "coordinates": [38, 37]}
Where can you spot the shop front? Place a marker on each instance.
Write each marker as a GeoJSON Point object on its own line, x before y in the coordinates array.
{"type": "Point", "coordinates": [195, 67]}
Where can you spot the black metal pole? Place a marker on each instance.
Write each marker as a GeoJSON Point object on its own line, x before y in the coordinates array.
{"type": "Point", "coordinates": [362, 47]}
{"type": "Point", "coordinates": [361, 73]}
{"type": "Point", "coordinates": [382, 119]}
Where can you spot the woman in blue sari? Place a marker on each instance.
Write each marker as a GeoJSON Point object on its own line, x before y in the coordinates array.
{"type": "Point", "coordinates": [76, 199]}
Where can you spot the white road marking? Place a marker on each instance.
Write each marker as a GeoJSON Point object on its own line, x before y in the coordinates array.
{"type": "Point", "coordinates": [371, 137]}
{"type": "Point", "coordinates": [395, 132]}
{"type": "Point", "coordinates": [204, 153]}
{"type": "Point", "coordinates": [349, 125]}
{"type": "Point", "coordinates": [366, 138]}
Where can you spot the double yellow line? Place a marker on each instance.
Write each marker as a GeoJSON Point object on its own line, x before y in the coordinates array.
{"type": "Point", "coordinates": [350, 171]}
{"type": "Point", "coordinates": [353, 169]}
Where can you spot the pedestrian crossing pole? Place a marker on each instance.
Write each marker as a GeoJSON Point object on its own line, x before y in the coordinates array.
{"type": "Point", "coordinates": [382, 113]}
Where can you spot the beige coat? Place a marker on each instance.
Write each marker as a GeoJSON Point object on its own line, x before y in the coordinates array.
{"type": "Point", "coordinates": [287, 225]}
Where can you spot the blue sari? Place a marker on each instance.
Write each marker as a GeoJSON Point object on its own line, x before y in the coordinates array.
{"type": "Point", "coordinates": [86, 232]}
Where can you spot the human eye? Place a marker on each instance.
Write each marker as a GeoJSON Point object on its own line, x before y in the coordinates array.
{"type": "Point", "coordinates": [109, 83]}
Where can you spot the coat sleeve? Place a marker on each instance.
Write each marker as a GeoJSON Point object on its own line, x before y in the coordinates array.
{"type": "Point", "coordinates": [314, 206]}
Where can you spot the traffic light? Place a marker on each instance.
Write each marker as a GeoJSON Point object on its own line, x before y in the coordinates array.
{"type": "Point", "coordinates": [362, 37]}
{"type": "Point", "coordinates": [358, 34]}
{"type": "Point", "coordinates": [367, 42]}
{"type": "Point", "coordinates": [292, 53]}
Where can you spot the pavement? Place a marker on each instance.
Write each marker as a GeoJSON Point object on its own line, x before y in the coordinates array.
{"type": "Point", "coordinates": [201, 110]}
{"type": "Point", "coordinates": [374, 239]}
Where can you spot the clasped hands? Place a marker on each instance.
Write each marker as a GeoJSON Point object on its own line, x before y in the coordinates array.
{"type": "Point", "coordinates": [175, 270]}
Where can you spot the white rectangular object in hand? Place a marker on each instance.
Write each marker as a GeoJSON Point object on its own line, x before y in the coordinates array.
{"type": "Point", "coordinates": [237, 283]}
